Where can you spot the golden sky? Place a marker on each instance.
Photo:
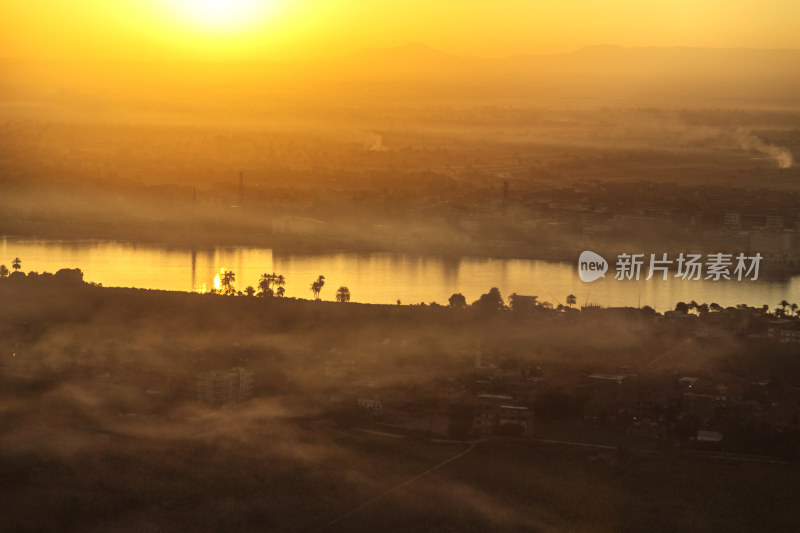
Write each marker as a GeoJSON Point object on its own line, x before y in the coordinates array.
{"type": "Point", "coordinates": [292, 29]}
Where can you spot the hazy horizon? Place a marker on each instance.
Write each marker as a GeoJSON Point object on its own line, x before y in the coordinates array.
{"type": "Point", "coordinates": [270, 29]}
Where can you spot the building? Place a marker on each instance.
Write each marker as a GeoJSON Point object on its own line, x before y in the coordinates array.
{"type": "Point", "coordinates": [609, 395]}
{"type": "Point", "coordinates": [707, 440]}
{"type": "Point", "coordinates": [493, 411]}
{"type": "Point", "coordinates": [704, 407]}
{"type": "Point", "coordinates": [784, 332]}
{"type": "Point", "coordinates": [370, 404]}
{"type": "Point", "coordinates": [223, 388]}
{"type": "Point", "coordinates": [514, 414]}
{"type": "Point", "coordinates": [733, 221]}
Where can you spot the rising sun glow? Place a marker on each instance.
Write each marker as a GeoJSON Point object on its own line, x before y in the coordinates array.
{"type": "Point", "coordinates": [221, 15]}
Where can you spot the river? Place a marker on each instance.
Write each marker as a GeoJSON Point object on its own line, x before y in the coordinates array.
{"type": "Point", "coordinates": [376, 277]}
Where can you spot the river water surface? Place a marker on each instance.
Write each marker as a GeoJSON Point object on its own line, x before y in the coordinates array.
{"type": "Point", "coordinates": [375, 277]}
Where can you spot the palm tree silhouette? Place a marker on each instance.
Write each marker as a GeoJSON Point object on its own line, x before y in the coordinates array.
{"type": "Point", "coordinates": [571, 300]}
{"type": "Point", "coordinates": [316, 287]}
{"type": "Point", "coordinates": [267, 281]}
{"type": "Point", "coordinates": [280, 292]}
{"type": "Point", "coordinates": [265, 285]}
{"type": "Point", "coordinates": [16, 264]}
{"type": "Point", "coordinates": [227, 283]}
{"type": "Point", "coordinates": [249, 291]}
{"type": "Point", "coordinates": [343, 294]}
{"type": "Point", "coordinates": [3, 271]}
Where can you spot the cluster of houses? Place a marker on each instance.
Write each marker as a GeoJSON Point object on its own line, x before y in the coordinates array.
{"type": "Point", "coordinates": [504, 397]}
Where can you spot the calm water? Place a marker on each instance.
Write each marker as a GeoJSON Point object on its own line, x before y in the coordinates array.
{"type": "Point", "coordinates": [374, 277]}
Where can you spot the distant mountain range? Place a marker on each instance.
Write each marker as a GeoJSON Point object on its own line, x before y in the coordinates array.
{"type": "Point", "coordinates": [700, 75]}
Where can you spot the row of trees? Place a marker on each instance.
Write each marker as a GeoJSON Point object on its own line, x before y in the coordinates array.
{"type": "Point", "coordinates": [269, 285]}
{"type": "Point", "coordinates": [493, 301]}
{"type": "Point", "coordinates": [266, 284]}
{"type": "Point", "coordinates": [273, 285]}
{"type": "Point", "coordinates": [63, 276]}
{"type": "Point", "coordinates": [702, 309]}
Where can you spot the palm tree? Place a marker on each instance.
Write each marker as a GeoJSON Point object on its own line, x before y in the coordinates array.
{"type": "Point", "coordinates": [3, 271]}
{"type": "Point", "coordinates": [280, 292]}
{"type": "Point", "coordinates": [571, 300]}
{"type": "Point", "coordinates": [249, 291]}
{"type": "Point", "coordinates": [343, 294]}
{"type": "Point", "coordinates": [316, 287]}
{"type": "Point", "coordinates": [16, 264]}
{"type": "Point", "coordinates": [267, 281]}
{"type": "Point", "coordinates": [265, 285]}
{"type": "Point", "coordinates": [227, 283]}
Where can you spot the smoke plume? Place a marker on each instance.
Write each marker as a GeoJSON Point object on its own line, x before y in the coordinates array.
{"type": "Point", "coordinates": [748, 141]}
